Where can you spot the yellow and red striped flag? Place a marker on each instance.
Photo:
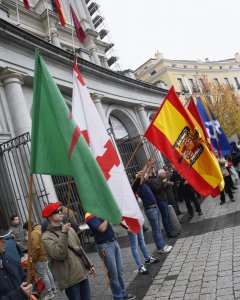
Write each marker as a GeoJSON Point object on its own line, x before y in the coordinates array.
{"type": "Point", "coordinates": [60, 12]}
{"type": "Point", "coordinates": [174, 133]}
{"type": "Point", "coordinates": [196, 118]}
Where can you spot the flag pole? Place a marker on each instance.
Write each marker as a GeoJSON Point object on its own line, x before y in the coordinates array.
{"type": "Point", "coordinates": [69, 198]}
{"type": "Point", "coordinates": [48, 21]}
{"type": "Point", "coordinates": [134, 153]}
{"type": "Point", "coordinates": [30, 200]}
{"type": "Point", "coordinates": [18, 19]}
{"type": "Point", "coordinates": [73, 44]}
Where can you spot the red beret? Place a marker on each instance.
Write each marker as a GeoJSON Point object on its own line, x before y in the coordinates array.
{"type": "Point", "coordinates": [49, 209]}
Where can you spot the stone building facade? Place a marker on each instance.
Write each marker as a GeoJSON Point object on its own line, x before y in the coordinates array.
{"type": "Point", "coordinates": [125, 105]}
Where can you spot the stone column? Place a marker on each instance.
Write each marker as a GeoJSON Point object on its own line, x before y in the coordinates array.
{"type": "Point", "coordinates": [54, 37]}
{"type": "Point", "coordinates": [97, 101]}
{"type": "Point", "coordinates": [20, 115]}
{"type": "Point", "coordinates": [18, 109]}
{"type": "Point", "coordinates": [93, 50]}
{"type": "Point", "coordinates": [105, 63]}
{"type": "Point", "coordinates": [145, 123]}
{"type": "Point", "coordinates": [142, 116]}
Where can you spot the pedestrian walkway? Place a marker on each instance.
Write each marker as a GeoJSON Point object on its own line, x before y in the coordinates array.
{"type": "Point", "coordinates": [204, 263]}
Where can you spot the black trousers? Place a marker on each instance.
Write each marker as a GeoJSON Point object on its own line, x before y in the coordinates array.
{"type": "Point", "coordinates": [227, 188]}
{"type": "Point", "coordinates": [192, 198]}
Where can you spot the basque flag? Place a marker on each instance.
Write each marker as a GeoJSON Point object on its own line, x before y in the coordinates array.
{"type": "Point", "coordinates": [214, 129]}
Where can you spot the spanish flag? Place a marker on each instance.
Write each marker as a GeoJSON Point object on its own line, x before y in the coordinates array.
{"type": "Point", "coordinates": [196, 118]}
{"type": "Point", "coordinates": [174, 133]}
{"type": "Point", "coordinates": [60, 12]}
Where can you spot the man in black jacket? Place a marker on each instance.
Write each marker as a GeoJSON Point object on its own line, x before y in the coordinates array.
{"type": "Point", "coordinates": [13, 284]}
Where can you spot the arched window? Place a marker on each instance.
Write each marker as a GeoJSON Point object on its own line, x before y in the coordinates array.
{"type": "Point", "coordinates": [119, 130]}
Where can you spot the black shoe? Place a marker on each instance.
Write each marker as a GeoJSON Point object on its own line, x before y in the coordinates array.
{"type": "Point", "coordinates": [200, 213]}
{"type": "Point", "coordinates": [232, 200]}
{"type": "Point", "coordinates": [178, 213]}
{"type": "Point", "coordinates": [222, 202]}
{"type": "Point", "coordinates": [234, 188]}
{"type": "Point", "coordinates": [145, 228]}
{"type": "Point", "coordinates": [172, 235]}
{"type": "Point", "coordinates": [151, 260]}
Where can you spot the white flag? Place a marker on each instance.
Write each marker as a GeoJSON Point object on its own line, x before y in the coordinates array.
{"type": "Point", "coordinates": [90, 123]}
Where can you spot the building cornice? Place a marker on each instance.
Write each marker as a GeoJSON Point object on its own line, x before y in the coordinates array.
{"type": "Point", "coordinates": [26, 39]}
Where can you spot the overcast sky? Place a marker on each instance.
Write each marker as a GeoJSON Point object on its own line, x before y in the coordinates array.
{"type": "Point", "coordinates": [180, 29]}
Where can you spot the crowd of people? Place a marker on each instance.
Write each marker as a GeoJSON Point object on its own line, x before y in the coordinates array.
{"type": "Point", "coordinates": [58, 257]}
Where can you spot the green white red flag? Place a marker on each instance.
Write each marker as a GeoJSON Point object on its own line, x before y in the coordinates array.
{"type": "Point", "coordinates": [90, 123]}
{"type": "Point", "coordinates": [59, 148]}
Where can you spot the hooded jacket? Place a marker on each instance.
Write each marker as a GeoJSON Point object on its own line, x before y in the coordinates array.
{"type": "Point", "coordinates": [67, 267]}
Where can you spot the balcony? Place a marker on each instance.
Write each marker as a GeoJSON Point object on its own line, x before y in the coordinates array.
{"type": "Point", "coordinates": [97, 21]}
{"type": "Point", "coordinates": [103, 33]}
{"type": "Point", "coordinates": [92, 8]}
{"type": "Point", "coordinates": [109, 47]}
{"type": "Point", "coordinates": [112, 60]}
{"type": "Point", "coordinates": [195, 89]}
{"type": "Point", "coordinates": [184, 89]}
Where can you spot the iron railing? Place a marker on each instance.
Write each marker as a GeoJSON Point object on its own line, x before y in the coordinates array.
{"type": "Point", "coordinates": [14, 182]}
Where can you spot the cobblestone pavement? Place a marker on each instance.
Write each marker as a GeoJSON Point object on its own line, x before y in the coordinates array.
{"type": "Point", "coordinates": [204, 263]}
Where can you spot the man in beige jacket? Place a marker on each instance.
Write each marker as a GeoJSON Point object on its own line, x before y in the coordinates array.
{"type": "Point", "coordinates": [39, 258]}
{"type": "Point", "coordinates": [62, 243]}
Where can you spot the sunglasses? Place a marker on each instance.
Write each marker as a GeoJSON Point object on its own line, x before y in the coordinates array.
{"type": "Point", "coordinates": [57, 211]}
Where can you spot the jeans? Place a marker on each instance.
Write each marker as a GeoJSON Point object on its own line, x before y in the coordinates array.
{"type": "Point", "coordinates": [111, 255]}
{"type": "Point", "coordinates": [163, 207]}
{"type": "Point", "coordinates": [153, 216]}
{"type": "Point", "coordinates": [135, 241]}
{"type": "Point", "coordinates": [45, 274]}
{"type": "Point", "coordinates": [79, 291]}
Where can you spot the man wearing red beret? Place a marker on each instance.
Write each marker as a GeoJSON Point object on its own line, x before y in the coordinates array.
{"type": "Point", "coordinates": [62, 246]}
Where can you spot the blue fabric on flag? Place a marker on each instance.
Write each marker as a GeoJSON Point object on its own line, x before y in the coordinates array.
{"type": "Point", "coordinates": [215, 132]}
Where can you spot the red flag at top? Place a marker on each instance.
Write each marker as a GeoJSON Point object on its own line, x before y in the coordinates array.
{"type": "Point", "coordinates": [79, 31]}
{"type": "Point", "coordinates": [26, 4]}
{"type": "Point", "coordinates": [60, 12]}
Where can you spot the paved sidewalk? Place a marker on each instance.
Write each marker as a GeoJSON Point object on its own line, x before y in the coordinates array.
{"type": "Point", "coordinates": [204, 263]}
{"type": "Point", "coordinates": [203, 267]}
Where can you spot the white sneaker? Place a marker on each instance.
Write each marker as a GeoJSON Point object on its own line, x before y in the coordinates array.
{"type": "Point", "coordinates": [166, 249]}
{"type": "Point", "coordinates": [143, 270]}
{"type": "Point", "coordinates": [49, 296]}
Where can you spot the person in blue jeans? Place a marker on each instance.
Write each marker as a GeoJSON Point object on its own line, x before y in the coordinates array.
{"type": "Point", "coordinates": [151, 209]}
{"type": "Point", "coordinates": [138, 240]}
{"type": "Point", "coordinates": [157, 187]}
{"type": "Point", "coordinates": [110, 253]}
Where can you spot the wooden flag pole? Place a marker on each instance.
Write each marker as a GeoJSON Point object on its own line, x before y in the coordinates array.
{"type": "Point", "coordinates": [134, 153]}
{"type": "Point", "coordinates": [69, 198]}
{"type": "Point", "coordinates": [30, 200]}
